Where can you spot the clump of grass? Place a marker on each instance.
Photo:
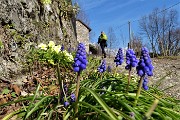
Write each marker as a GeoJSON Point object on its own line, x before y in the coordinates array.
{"type": "Point", "coordinates": [101, 98]}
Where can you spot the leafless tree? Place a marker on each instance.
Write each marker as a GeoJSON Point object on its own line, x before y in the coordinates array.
{"type": "Point", "coordinates": [122, 38]}
{"type": "Point", "coordinates": [158, 28]}
{"type": "Point", "coordinates": [136, 44]}
{"type": "Point", "coordinates": [111, 39]}
{"type": "Point", "coordinates": [81, 15]}
{"type": "Point", "coordinates": [173, 42]}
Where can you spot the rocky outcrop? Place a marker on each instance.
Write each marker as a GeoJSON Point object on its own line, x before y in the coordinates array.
{"type": "Point", "coordinates": [24, 23]}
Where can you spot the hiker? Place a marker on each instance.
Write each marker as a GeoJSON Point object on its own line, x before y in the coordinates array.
{"type": "Point", "coordinates": [103, 42]}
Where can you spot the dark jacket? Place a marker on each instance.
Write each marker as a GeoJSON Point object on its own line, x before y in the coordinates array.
{"type": "Point", "coordinates": [102, 40]}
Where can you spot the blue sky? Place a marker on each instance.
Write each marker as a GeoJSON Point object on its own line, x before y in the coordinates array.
{"type": "Point", "coordinates": [116, 14]}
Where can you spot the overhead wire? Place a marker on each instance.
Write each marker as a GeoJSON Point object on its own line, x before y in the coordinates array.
{"type": "Point", "coordinates": [146, 16]}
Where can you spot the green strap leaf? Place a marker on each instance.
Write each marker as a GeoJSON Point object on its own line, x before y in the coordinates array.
{"type": "Point", "coordinates": [103, 104]}
{"type": "Point", "coordinates": [36, 106]}
{"type": "Point", "coordinates": [173, 114]}
{"type": "Point", "coordinates": [12, 114]}
{"type": "Point", "coordinates": [96, 109]}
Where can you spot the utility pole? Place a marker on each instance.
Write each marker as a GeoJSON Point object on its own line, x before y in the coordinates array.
{"type": "Point", "coordinates": [129, 44]}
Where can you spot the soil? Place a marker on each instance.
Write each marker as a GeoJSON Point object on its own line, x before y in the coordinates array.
{"type": "Point", "coordinates": [166, 74]}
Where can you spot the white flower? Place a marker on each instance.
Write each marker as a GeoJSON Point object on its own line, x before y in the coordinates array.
{"type": "Point", "coordinates": [68, 55]}
{"type": "Point", "coordinates": [42, 46]}
{"type": "Point", "coordinates": [51, 44]}
{"type": "Point", "coordinates": [48, 7]}
{"type": "Point", "coordinates": [57, 48]}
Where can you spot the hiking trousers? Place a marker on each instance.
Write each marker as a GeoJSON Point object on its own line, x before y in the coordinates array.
{"type": "Point", "coordinates": [103, 45]}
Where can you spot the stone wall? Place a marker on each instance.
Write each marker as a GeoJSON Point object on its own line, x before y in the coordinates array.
{"type": "Point", "coordinates": [83, 34]}
{"type": "Point", "coordinates": [26, 23]}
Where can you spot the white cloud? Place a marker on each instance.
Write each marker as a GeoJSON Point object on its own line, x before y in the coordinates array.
{"type": "Point", "coordinates": [91, 4]}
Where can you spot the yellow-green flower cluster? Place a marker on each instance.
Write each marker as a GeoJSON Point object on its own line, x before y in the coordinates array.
{"type": "Point", "coordinates": [51, 44]}
{"type": "Point", "coordinates": [57, 48]}
{"type": "Point", "coordinates": [52, 49]}
{"type": "Point", "coordinates": [42, 46]}
{"type": "Point", "coordinates": [46, 2]}
{"type": "Point", "coordinates": [68, 56]}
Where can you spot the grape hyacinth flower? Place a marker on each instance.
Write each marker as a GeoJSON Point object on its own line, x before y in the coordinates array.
{"type": "Point", "coordinates": [131, 59]}
{"type": "Point", "coordinates": [66, 104]}
{"type": "Point", "coordinates": [80, 61]}
{"type": "Point", "coordinates": [145, 64]}
{"type": "Point", "coordinates": [73, 97]}
{"type": "Point", "coordinates": [119, 57]}
{"type": "Point", "coordinates": [69, 50]}
{"type": "Point", "coordinates": [145, 83]}
{"type": "Point", "coordinates": [131, 114]}
{"type": "Point", "coordinates": [102, 67]}
{"type": "Point", "coordinates": [64, 96]}
{"type": "Point", "coordinates": [144, 69]}
{"type": "Point", "coordinates": [62, 47]}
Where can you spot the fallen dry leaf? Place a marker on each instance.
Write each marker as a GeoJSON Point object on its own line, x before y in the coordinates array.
{"type": "Point", "coordinates": [16, 89]}
{"type": "Point", "coordinates": [3, 100]}
{"type": "Point", "coordinates": [8, 96]}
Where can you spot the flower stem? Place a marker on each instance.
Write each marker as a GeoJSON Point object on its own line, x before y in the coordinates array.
{"type": "Point", "coordinates": [77, 92]}
{"type": "Point", "coordinates": [101, 76]}
{"type": "Point", "coordinates": [63, 90]}
{"type": "Point", "coordinates": [151, 109]}
{"type": "Point", "coordinates": [115, 71]}
{"type": "Point", "coordinates": [139, 90]}
{"type": "Point", "coordinates": [60, 82]}
{"type": "Point", "coordinates": [129, 79]}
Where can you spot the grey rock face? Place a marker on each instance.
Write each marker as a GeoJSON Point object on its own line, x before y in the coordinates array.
{"type": "Point", "coordinates": [32, 17]}
{"type": "Point", "coordinates": [30, 21]}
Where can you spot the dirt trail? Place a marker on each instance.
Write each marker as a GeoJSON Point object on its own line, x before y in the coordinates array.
{"type": "Point", "coordinates": [166, 74]}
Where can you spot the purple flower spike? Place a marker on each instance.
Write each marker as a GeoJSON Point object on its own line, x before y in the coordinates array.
{"type": "Point", "coordinates": [69, 50]}
{"type": "Point", "coordinates": [73, 97]}
{"type": "Point", "coordinates": [131, 59]}
{"type": "Point", "coordinates": [76, 69]}
{"type": "Point", "coordinates": [102, 67]}
{"type": "Point", "coordinates": [80, 61]}
{"type": "Point", "coordinates": [145, 65]}
{"type": "Point", "coordinates": [145, 83]}
{"type": "Point", "coordinates": [62, 47]}
{"type": "Point", "coordinates": [119, 57]}
{"type": "Point", "coordinates": [66, 104]}
{"type": "Point", "coordinates": [65, 88]}
{"type": "Point", "coordinates": [131, 114]}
